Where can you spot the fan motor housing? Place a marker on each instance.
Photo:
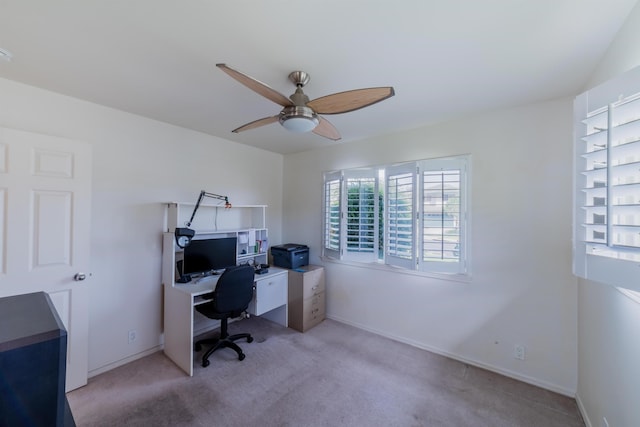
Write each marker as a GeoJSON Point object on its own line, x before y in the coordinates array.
{"type": "Point", "coordinates": [300, 119]}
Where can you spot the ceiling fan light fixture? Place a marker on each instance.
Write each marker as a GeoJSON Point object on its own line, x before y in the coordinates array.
{"type": "Point", "coordinates": [298, 119]}
{"type": "Point", "coordinates": [301, 115]}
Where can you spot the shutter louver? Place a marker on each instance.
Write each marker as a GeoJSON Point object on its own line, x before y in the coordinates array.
{"type": "Point", "coordinates": [361, 216]}
{"type": "Point", "coordinates": [332, 216]}
{"type": "Point", "coordinates": [400, 216]}
{"type": "Point", "coordinates": [607, 211]}
{"type": "Point", "coordinates": [444, 209]}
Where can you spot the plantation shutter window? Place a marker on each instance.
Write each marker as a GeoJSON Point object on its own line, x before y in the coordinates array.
{"type": "Point", "coordinates": [442, 215]}
{"type": "Point", "coordinates": [332, 214]}
{"type": "Point", "coordinates": [362, 211]}
{"type": "Point", "coordinates": [607, 183]}
{"type": "Point", "coordinates": [400, 207]}
{"type": "Point", "coordinates": [417, 220]}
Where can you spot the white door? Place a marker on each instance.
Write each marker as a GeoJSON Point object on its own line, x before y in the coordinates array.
{"type": "Point", "coordinates": [45, 207]}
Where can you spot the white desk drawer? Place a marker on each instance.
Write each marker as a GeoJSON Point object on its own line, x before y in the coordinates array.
{"type": "Point", "coordinates": [271, 292]}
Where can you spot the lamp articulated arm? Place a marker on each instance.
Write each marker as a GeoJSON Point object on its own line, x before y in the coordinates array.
{"type": "Point", "coordinates": [184, 235]}
{"type": "Point", "coordinates": [204, 194]}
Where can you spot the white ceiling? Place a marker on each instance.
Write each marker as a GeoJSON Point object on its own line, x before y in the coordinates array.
{"type": "Point", "coordinates": [445, 58]}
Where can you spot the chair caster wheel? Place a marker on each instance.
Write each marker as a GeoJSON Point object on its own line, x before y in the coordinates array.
{"type": "Point", "coordinates": [250, 339]}
{"type": "Point", "coordinates": [205, 363]}
{"type": "Point", "coordinates": [241, 356]}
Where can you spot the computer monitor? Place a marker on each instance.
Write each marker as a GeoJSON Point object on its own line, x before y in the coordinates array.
{"type": "Point", "coordinates": [206, 255]}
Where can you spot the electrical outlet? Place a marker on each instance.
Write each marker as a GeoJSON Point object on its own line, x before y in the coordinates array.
{"type": "Point", "coordinates": [132, 336]}
{"type": "Point", "coordinates": [519, 352]}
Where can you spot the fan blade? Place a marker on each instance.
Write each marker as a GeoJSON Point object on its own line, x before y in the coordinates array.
{"type": "Point", "coordinates": [351, 100]}
{"type": "Point", "coordinates": [327, 130]}
{"type": "Point", "coordinates": [256, 124]}
{"type": "Point", "coordinates": [257, 86]}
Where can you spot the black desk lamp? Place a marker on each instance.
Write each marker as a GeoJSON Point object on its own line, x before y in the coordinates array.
{"type": "Point", "coordinates": [185, 234]}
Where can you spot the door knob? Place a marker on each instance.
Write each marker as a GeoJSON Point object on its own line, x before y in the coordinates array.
{"type": "Point", "coordinates": [79, 277]}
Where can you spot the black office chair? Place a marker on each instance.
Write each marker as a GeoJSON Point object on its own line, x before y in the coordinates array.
{"type": "Point", "coordinates": [231, 297]}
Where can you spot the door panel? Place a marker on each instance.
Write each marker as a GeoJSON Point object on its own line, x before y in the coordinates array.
{"type": "Point", "coordinates": [45, 208]}
{"type": "Point", "coordinates": [3, 228]}
{"type": "Point", "coordinates": [51, 228]}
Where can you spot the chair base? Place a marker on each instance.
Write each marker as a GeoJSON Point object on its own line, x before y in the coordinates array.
{"type": "Point", "coordinates": [225, 341]}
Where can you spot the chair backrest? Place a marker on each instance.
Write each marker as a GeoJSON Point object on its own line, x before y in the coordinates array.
{"type": "Point", "coordinates": [234, 290]}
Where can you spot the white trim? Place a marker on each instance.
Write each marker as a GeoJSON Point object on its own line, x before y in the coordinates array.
{"type": "Point", "coordinates": [215, 205]}
{"type": "Point", "coordinates": [583, 412]}
{"type": "Point", "coordinates": [121, 362]}
{"type": "Point", "coordinates": [633, 295]}
{"type": "Point", "coordinates": [461, 278]}
{"type": "Point", "coordinates": [211, 325]}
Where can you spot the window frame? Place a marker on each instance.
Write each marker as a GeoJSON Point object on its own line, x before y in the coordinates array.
{"type": "Point", "coordinates": [392, 253]}
{"type": "Point", "coordinates": [597, 223]}
{"type": "Point", "coordinates": [330, 181]}
{"type": "Point", "coordinates": [357, 175]}
{"type": "Point", "coordinates": [442, 165]}
{"type": "Point", "coordinates": [411, 262]}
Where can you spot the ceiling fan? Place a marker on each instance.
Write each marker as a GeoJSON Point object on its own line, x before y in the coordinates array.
{"type": "Point", "coordinates": [301, 115]}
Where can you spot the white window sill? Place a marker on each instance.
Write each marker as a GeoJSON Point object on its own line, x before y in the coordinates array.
{"type": "Point", "coordinates": [460, 278]}
{"type": "Point", "coordinates": [635, 296]}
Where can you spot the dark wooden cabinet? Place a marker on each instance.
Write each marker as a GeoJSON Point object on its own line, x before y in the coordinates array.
{"type": "Point", "coordinates": [33, 351]}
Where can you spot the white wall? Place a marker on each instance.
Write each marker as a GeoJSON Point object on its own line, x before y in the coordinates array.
{"type": "Point", "coordinates": [609, 351]}
{"type": "Point", "coordinates": [522, 290]}
{"type": "Point", "coordinates": [137, 165]}
{"type": "Point", "coordinates": [609, 321]}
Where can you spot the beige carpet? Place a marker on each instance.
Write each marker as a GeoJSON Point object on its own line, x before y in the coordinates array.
{"type": "Point", "coordinates": [332, 375]}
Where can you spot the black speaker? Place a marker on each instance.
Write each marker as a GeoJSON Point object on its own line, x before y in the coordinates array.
{"type": "Point", "coordinates": [182, 278]}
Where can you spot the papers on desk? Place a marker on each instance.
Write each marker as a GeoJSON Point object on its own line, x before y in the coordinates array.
{"type": "Point", "coordinates": [248, 238]}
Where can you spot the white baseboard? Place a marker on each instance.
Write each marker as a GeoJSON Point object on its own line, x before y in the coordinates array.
{"type": "Point", "coordinates": [515, 375]}
{"type": "Point", "coordinates": [200, 329]}
{"type": "Point", "coordinates": [583, 412]}
{"type": "Point", "coordinates": [129, 359]}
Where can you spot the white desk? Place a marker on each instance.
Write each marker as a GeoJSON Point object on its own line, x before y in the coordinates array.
{"type": "Point", "coordinates": [269, 301]}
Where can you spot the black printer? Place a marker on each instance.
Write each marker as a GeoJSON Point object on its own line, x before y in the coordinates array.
{"type": "Point", "coordinates": [290, 255]}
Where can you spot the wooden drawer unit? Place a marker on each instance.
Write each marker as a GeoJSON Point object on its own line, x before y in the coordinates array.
{"type": "Point", "coordinates": [311, 313]}
{"type": "Point", "coordinates": [306, 297]}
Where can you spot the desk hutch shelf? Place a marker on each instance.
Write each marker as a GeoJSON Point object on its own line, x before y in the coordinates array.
{"type": "Point", "coordinates": [246, 222]}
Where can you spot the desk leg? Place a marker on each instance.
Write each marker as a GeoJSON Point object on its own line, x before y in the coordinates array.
{"type": "Point", "coordinates": [278, 315]}
{"type": "Point", "coordinates": [178, 328]}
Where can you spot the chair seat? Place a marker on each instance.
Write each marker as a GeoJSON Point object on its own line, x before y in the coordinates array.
{"type": "Point", "coordinates": [210, 311]}
{"type": "Point", "coordinates": [231, 298]}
